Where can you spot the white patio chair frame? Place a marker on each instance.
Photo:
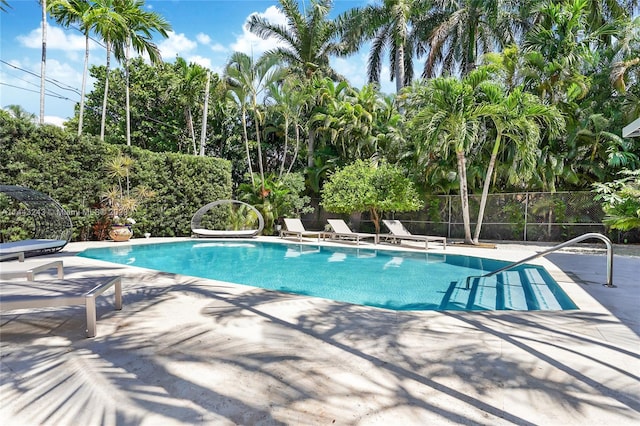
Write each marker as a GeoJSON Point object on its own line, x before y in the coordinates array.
{"type": "Point", "coordinates": [199, 232]}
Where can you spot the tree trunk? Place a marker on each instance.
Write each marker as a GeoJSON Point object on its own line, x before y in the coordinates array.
{"type": "Point", "coordinates": [399, 67]}
{"type": "Point", "coordinates": [260, 167]}
{"type": "Point", "coordinates": [375, 218]}
{"type": "Point", "coordinates": [43, 63]}
{"type": "Point", "coordinates": [286, 145]}
{"type": "Point", "coordinates": [246, 144]}
{"type": "Point", "coordinates": [464, 196]}
{"type": "Point", "coordinates": [106, 92]}
{"type": "Point", "coordinates": [127, 104]}
{"type": "Point", "coordinates": [485, 188]}
{"type": "Point", "coordinates": [192, 133]}
{"type": "Point", "coordinates": [312, 137]}
{"type": "Point", "coordinates": [84, 84]}
{"type": "Point", "coordinates": [295, 152]}
{"type": "Point", "coordinates": [470, 61]}
{"type": "Point", "coordinates": [205, 113]}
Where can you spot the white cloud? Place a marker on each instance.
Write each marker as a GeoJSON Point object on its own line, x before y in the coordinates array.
{"type": "Point", "coordinates": [386, 85]}
{"type": "Point", "coordinates": [176, 45]}
{"type": "Point", "coordinates": [217, 47]}
{"type": "Point", "coordinates": [26, 92]}
{"type": "Point", "coordinates": [250, 43]}
{"type": "Point", "coordinates": [353, 68]}
{"type": "Point", "coordinates": [203, 38]}
{"type": "Point", "coordinates": [200, 60]}
{"type": "Point", "coordinates": [56, 39]}
{"type": "Point", "coordinates": [56, 121]}
{"type": "Point", "coordinates": [217, 70]}
{"type": "Point", "coordinates": [63, 72]}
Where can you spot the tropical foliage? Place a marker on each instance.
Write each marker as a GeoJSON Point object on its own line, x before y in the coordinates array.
{"type": "Point", "coordinates": [277, 197]}
{"type": "Point", "coordinates": [621, 200]}
{"type": "Point", "coordinates": [309, 39]}
{"type": "Point", "coordinates": [515, 96]}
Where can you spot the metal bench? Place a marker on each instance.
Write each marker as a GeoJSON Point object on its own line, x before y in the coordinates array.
{"type": "Point", "coordinates": [9, 270]}
{"type": "Point", "coordinates": [52, 293]}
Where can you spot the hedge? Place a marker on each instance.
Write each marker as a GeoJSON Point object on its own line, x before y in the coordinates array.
{"type": "Point", "coordinates": [72, 170]}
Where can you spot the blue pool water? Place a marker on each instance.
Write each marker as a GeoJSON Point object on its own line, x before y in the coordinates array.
{"type": "Point", "coordinates": [382, 278]}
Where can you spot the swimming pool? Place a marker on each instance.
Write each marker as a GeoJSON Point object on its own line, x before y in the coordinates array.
{"type": "Point", "coordinates": [387, 279]}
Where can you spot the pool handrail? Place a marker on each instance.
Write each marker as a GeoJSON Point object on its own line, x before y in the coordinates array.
{"type": "Point", "coordinates": [583, 237]}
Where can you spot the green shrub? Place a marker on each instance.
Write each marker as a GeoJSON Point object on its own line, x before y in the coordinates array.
{"type": "Point", "coordinates": [73, 171]}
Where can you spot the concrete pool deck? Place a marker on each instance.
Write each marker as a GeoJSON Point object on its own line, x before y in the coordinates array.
{"type": "Point", "coordinates": [186, 350]}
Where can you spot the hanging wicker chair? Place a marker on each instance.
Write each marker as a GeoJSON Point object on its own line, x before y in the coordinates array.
{"type": "Point", "coordinates": [48, 222]}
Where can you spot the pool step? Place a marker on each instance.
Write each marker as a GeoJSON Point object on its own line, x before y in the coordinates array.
{"type": "Point", "coordinates": [521, 290]}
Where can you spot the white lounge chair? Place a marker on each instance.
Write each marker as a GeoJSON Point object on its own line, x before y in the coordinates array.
{"type": "Point", "coordinates": [400, 233]}
{"type": "Point", "coordinates": [19, 248]}
{"type": "Point", "coordinates": [9, 270]}
{"type": "Point", "coordinates": [342, 231]}
{"type": "Point", "coordinates": [43, 294]}
{"type": "Point", "coordinates": [296, 228]}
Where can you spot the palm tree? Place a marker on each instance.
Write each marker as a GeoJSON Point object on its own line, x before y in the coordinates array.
{"type": "Point", "coordinates": [450, 120]}
{"type": "Point", "coordinates": [463, 30]}
{"type": "Point", "coordinates": [239, 93]}
{"type": "Point", "coordinates": [68, 13]}
{"type": "Point", "coordinates": [4, 5]}
{"type": "Point", "coordinates": [112, 28]}
{"type": "Point", "coordinates": [600, 12]}
{"type": "Point", "coordinates": [19, 113]}
{"type": "Point", "coordinates": [288, 100]}
{"type": "Point", "coordinates": [247, 80]}
{"type": "Point", "coordinates": [141, 25]}
{"type": "Point", "coordinates": [519, 118]}
{"type": "Point", "coordinates": [191, 85]}
{"type": "Point", "coordinates": [390, 25]}
{"type": "Point", "coordinates": [322, 92]}
{"type": "Point", "coordinates": [123, 24]}
{"type": "Point", "coordinates": [349, 121]}
{"type": "Point", "coordinates": [205, 114]}
{"type": "Point", "coordinates": [309, 39]}
{"type": "Point", "coordinates": [556, 49]}
{"type": "Point", "coordinates": [626, 55]}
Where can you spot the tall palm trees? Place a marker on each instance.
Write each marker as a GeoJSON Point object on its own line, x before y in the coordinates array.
{"type": "Point", "coordinates": [287, 99]}
{"type": "Point", "coordinates": [141, 25]}
{"type": "Point", "coordinates": [519, 118]}
{"type": "Point", "coordinates": [67, 13]}
{"type": "Point", "coordinates": [123, 24]}
{"type": "Point", "coordinates": [309, 39]}
{"type": "Point", "coordinates": [192, 82]}
{"type": "Point", "coordinates": [247, 81]}
{"type": "Point", "coordinates": [111, 27]}
{"type": "Point", "coordinates": [391, 25]}
{"type": "Point", "coordinates": [450, 121]}
{"type": "Point", "coordinates": [464, 30]}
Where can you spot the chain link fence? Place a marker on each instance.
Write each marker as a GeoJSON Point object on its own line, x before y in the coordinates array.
{"type": "Point", "coordinates": [525, 216]}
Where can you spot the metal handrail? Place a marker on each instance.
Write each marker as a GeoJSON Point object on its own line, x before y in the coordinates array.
{"type": "Point", "coordinates": [606, 240]}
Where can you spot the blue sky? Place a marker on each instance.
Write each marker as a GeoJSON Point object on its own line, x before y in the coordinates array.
{"type": "Point", "coordinates": [204, 31]}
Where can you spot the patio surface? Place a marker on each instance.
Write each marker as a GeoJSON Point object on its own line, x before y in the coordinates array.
{"type": "Point", "coordinates": [186, 350]}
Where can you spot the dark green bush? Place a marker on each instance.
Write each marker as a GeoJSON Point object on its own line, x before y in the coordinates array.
{"type": "Point", "coordinates": [72, 170]}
